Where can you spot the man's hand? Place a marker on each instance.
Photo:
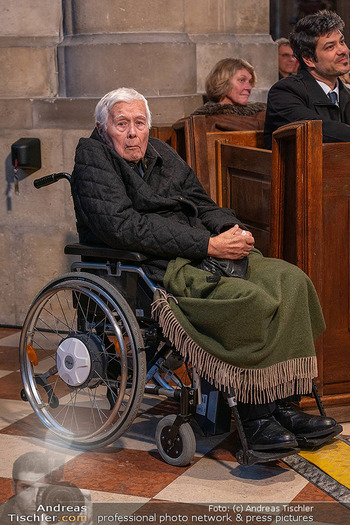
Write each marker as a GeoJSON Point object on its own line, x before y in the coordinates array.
{"type": "Point", "coordinates": [231, 244]}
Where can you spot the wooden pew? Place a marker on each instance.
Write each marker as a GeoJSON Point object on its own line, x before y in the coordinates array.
{"type": "Point", "coordinates": [243, 184]}
{"type": "Point", "coordinates": [315, 235]}
{"type": "Point", "coordinates": [182, 140]}
{"type": "Point", "coordinates": [253, 139]}
{"type": "Point", "coordinates": [196, 145]}
{"type": "Point", "coordinates": [309, 226]}
{"type": "Point", "coordinates": [164, 133]}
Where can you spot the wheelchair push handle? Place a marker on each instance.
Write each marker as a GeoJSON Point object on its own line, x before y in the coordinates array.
{"type": "Point", "coordinates": [50, 179]}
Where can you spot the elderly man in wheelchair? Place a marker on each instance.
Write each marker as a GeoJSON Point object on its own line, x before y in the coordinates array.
{"type": "Point", "coordinates": [150, 234]}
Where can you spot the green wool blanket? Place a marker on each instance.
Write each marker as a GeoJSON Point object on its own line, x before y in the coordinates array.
{"type": "Point", "coordinates": [255, 336]}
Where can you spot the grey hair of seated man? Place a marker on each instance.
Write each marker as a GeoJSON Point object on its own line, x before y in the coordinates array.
{"type": "Point", "coordinates": [118, 95]}
{"type": "Point", "coordinates": [282, 42]}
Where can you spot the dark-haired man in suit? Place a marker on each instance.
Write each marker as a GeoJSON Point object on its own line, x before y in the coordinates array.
{"type": "Point", "coordinates": [315, 92]}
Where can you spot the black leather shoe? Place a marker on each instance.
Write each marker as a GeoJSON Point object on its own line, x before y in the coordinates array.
{"type": "Point", "coordinates": [301, 424]}
{"type": "Point", "coordinates": [266, 433]}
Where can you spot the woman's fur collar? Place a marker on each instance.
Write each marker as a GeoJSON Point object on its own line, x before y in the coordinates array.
{"type": "Point", "coordinates": [214, 108]}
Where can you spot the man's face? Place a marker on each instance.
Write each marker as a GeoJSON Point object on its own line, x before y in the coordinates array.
{"type": "Point", "coordinates": [127, 129]}
{"type": "Point", "coordinates": [332, 58]}
{"type": "Point", "coordinates": [25, 489]}
{"type": "Point", "coordinates": [286, 60]}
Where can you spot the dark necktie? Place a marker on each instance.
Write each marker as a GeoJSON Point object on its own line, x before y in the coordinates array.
{"type": "Point", "coordinates": [333, 97]}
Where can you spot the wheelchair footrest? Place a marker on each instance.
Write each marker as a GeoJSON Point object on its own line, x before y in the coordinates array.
{"type": "Point", "coordinates": [315, 442]}
{"type": "Point", "coordinates": [251, 457]}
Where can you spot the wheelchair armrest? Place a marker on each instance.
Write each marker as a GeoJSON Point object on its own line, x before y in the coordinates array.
{"type": "Point", "coordinates": [103, 252]}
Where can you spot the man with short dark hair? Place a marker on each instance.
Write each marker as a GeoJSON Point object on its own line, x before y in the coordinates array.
{"type": "Point", "coordinates": [315, 93]}
{"type": "Point", "coordinates": [287, 63]}
{"type": "Point", "coordinates": [29, 473]}
{"type": "Point", "coordinates": [36, 485]}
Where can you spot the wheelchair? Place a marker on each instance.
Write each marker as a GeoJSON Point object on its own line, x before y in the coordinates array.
{"type": "Point", "coordinates": [89, 350]}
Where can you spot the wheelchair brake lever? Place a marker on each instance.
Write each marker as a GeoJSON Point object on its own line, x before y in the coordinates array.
{"type": "Point", "coordinates": [41, 379]}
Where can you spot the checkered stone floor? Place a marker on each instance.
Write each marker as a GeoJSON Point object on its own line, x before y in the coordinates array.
{"type": "Point", "coordinates": [131, 472]}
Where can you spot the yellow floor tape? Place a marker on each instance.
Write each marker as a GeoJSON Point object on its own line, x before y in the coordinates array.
{"type": "Point", "coordinates": [333, 459]}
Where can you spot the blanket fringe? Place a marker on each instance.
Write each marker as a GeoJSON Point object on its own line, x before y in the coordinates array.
{"type": "Point", "coordinates": [249, 385]}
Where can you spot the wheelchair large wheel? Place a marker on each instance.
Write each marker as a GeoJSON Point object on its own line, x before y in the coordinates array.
{"type": "Point", "coordinates": [82, 361]}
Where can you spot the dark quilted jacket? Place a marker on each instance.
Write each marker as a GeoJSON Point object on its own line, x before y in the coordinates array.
{"type": "Point", "coordinates": [164, 214]}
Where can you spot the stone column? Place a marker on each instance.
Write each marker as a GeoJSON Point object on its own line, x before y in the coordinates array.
{"type": "Point", "coordinates": [163, 48]}
{"type": "Point", "coordinates": [30, 32]}
{"type": "Point", "coordinates": [226, 28]}
{"type": "Point", "coordinates": [113, 43]}
{"type": "Point", "coordinates": [34, 226]}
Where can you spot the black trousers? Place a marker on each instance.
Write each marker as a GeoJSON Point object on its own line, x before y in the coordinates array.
{"type": "Point", "coordinates": [249, 411]}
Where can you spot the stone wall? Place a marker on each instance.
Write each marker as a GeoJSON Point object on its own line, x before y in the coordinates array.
{"type": "Point", "coordinates": [165, 47]}
{"type": "Point", "coordinates": [57, 58]}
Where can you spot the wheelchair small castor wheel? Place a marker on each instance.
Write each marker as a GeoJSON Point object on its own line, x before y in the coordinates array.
{"type": "Point", "coordinates": [182, 451]}
{"type": "Point", "coordinates": [53, 401]}
{"type": "Point", "coordinates": [23, 395]}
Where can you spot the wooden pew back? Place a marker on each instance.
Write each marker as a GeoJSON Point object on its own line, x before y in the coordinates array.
{"type": "Point", "coordinates": [164, 133]}
{"type": "Point", "coordinates": [203, 153]}
{"type": "Point", "coordinates": [196, 145]}
{"type": "Point", "coordinates": [182, 140]}
{"type": "Point", "coordinates": [253, 139]}
{"type": "Point", "coordinates": [244, 175]}
{"type": "Point", "coordinates": [336, 266]}
{"type": "Point", "coordinates": [297, 197]}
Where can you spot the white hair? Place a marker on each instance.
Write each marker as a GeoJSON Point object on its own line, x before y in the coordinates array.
{"type": "Point", "coordinates": [111, 98]}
